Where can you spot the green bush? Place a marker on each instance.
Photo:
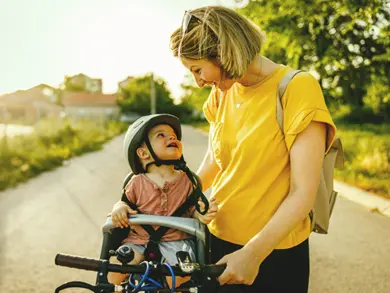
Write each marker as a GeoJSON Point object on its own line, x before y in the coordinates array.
{"type": "Point", "coordinates": [367, 157]}
{"type": "Point", "coordinates": [23, 157]}
{"type": "Point", "coordinates": [362, 116]}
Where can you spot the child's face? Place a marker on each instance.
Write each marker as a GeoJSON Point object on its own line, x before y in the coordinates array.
{"type": "Point", "coordinates": [165, 143]}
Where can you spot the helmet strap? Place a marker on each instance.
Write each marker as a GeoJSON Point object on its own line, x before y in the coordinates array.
{"type": "Point", "coordinates": [179, 164]}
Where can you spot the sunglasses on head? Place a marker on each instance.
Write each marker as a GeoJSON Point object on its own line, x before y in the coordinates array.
{"type": "Point", "coordinates": [184, 27]}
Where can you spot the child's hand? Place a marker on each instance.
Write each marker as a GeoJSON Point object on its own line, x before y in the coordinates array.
{"type": "Point", "coordinates": [120, 213]}
{"type": "Point", "coordinates": [211, 213]}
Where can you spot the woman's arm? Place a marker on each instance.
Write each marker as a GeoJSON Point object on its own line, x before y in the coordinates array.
{"type": "Point", "coordinates": [306, 157]}
{"type": "Point", "coordinates": [208, 169]}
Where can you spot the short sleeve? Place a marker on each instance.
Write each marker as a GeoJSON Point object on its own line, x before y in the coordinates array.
{"type": "Point", "coordinates": [210, 107]}
{"type": "Point", "coordinates": [130, 190]}
{"type": "Point", "coordinates": [303, 103]}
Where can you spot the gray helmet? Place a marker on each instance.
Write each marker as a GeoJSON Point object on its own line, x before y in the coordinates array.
{"type": "Point", "coordinates": [138, 133]}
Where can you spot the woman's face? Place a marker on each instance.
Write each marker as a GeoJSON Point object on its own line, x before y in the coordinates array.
{"type": "Point", "coordinates": [207, 72]}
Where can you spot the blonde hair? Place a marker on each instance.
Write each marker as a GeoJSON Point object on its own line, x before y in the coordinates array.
{"type": "Point", "coordinates": [221, 34]}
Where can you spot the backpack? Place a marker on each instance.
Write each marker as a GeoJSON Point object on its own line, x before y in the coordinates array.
{"type": "Point", "coordinates": [326, 196]}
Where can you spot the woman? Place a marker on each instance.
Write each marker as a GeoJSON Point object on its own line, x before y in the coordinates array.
{"type": "Point", "coordinates": [264, 178]}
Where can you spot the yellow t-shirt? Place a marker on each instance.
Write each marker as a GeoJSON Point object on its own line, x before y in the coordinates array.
{"type": "Point", "coordinates": [253, 153]}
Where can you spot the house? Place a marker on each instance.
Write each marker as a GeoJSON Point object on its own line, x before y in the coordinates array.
{"type": "Point", "coordinates": [125, 82]}
{"type": "Point", "coordinates": [90, 105]}
{"type": "Point", "coordinates": [82, 82]}
{"type": "Point", "coordinates": [28, 106]}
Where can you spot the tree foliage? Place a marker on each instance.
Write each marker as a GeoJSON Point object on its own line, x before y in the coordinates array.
{"type": "Point", "coordinates": [136, 97]}
{"type": "Point", "coordinates": [194, 96]}
{"type": "Point", "coordinates": [345, 42]}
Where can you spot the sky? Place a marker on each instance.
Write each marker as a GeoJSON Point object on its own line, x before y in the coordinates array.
{"type": "Point", "coordinates": [41, 41]}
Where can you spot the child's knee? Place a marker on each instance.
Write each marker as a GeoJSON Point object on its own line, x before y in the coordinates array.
{"type": "Point", "coordinates": [138, 257]}
{"type": "Point", "coordinates": [117, 278]}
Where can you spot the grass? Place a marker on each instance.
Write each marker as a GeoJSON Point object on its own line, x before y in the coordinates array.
{"type": "Point", "coordinates": [367, 157]}
{"type": "Point", "coordinates": [24, 157]}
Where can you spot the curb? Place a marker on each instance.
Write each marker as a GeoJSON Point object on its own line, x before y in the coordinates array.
{"type": "Point", "coordinates": [367, 199]}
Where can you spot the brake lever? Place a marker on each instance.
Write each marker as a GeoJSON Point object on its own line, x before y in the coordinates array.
{"type": "Point", "coordinates": [185, 262]}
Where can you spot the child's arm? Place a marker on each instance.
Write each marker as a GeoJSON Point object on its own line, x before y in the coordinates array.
{"type": "Point", "coordinates": [211, 213]}
{"type": "Point", "coordinates": [121, 209]}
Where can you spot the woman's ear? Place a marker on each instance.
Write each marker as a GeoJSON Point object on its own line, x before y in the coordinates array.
{"type": "Point", "coordinates": [143, 153]}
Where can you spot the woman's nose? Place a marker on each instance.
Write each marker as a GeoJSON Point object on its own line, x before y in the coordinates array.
{"type": "Point", "coordinates": [200, 82]}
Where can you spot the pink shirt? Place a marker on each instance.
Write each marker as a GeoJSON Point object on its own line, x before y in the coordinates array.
{"type": "Point", "coordinates": [153, 200]}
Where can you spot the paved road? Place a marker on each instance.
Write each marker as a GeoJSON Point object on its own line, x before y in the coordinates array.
{"type": "Point", "coordinates": [63, 210]}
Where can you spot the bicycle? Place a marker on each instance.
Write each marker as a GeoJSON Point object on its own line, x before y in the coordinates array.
{"type": "Point", "coordinates": [147, 277]}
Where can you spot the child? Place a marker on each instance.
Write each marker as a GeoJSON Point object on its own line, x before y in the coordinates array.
{"type": "Point", "coordinates": [153, 147]}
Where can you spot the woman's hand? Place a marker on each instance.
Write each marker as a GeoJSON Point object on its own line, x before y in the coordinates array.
{"type": "Point", "coordinates": [211, 213]}
{"type": "Point", "coordinates": [242, 267]}
{"type": "Point", "coordinates": [119, 214]}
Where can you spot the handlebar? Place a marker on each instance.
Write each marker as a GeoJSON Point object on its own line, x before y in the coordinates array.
{"type": "Point", "coordinates": [90, 264]}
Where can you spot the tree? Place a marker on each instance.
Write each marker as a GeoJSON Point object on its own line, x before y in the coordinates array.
{"type": "Point", "coordinates": [135, 97]}
{"type": "Point", "coordinates": [345, 42]}
{"type": "Point", "coordinates": [378, 97]}
{"type": "Point", "coordinates": [194, 96]}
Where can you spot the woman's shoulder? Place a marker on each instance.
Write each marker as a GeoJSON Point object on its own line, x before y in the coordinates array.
{"type": "Point", "coordinates": [305, 80]}
{"type": "Point", "coordinates": [302, 87]}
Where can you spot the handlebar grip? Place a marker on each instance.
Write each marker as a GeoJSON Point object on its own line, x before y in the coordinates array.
{"type": "Point", "coordinates": [214, 270]}
{"type": "Point", "coordinates": [90, 264]}
{"type": "Point", "coordinates": [77, 262]}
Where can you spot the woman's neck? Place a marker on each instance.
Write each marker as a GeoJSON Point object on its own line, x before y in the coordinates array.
{"type": "Point", "coordinates": [258, 70]}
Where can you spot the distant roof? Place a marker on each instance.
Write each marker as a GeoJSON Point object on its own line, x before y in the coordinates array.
{"type": "Point", "coordinates": [43, 85]}
{"type": "Point", "coordinates": [88, 99]}
{"type": "Point", "coordinates": [24, 92]}
{"type": "Point", "coordinates": [126, 81]}
{"type": "Point", "coordinates": [38, 95]}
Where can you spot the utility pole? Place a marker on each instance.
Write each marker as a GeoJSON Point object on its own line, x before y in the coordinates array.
{"type": "Point", "coordinates": [4, 147]}
{"type": "Point", "coordinates": [152, 95]}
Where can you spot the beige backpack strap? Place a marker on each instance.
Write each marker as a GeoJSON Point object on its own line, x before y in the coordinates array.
{"type": "Point", "coordinates": [340, 153]}
{"type": "Point", "coordinates": [281, 90]}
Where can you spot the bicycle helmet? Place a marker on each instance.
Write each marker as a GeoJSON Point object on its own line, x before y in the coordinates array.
{"type": "Point", "coordinates": [138, 133]}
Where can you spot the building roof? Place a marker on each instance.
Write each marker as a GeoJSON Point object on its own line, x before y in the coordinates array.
{"type": "Point", "coordinates": [40, 95]}
{"type": "Point", "coordinates": [86, 99]}
{"type": "Point", "coordinates": [126, 81]}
